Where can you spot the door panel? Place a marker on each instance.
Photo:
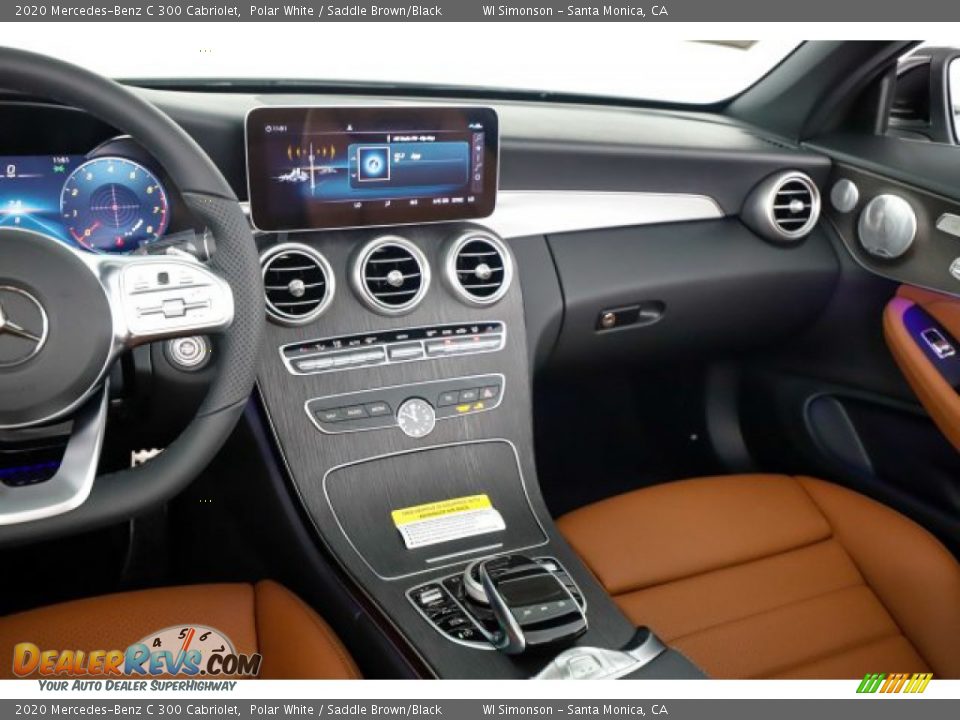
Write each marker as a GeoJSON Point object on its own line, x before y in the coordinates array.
{"type": "Point", "coordinates": [921, 328]}
{"type": "Point", "coordinates": [843, 399]}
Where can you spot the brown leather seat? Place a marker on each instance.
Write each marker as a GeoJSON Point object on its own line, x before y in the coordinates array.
{"type": "Point", "coordinates": [760, 576]}
{"type": "Point", "coordinates": [265, 618]}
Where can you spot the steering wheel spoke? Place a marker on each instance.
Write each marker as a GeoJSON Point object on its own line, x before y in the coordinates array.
{"type": "Point", "coordinates": [153, 298]}
{"type": "Point", "coordinates": [73, 480]}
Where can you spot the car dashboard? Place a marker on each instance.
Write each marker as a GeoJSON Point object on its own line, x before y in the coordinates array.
{"type": "Point", "coordinates": [417, 277]}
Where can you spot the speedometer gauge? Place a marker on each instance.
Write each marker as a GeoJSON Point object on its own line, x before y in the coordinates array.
{"type": "Point", "coordinates": [113, 205]}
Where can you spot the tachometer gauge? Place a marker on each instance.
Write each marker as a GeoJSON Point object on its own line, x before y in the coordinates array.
{"type": "Point", "coordinates": [113, 205]}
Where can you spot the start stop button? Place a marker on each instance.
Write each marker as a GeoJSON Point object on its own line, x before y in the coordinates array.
{"type": "Point", "coordinates": [189, 353]}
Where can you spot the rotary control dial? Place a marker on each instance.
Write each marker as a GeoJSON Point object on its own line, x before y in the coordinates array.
{"type": "Point", "coordinates": [416, 417]}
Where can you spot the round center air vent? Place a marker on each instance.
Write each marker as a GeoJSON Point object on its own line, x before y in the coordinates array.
{"type": "Point", "coordinates": [298, 283]}
{"type": "Point", "coordinates": [478, 268]}
{"type": "Point", "coordinates": [784, 207]}
{"type": "Point", "coordinates": [391, 275]}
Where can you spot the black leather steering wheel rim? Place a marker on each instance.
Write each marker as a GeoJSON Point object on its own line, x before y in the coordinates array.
{"type": "Point", "coordinates": [121, 495]}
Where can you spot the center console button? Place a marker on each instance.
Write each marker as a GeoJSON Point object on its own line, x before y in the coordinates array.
{"type": "Point", "coordinates": [358, 357]}
{"type": "Point", "coordinates": [344, 360]}
{"type": "Point", "coordinates": [467, 633]}
{"type": "Point", "coordinates": [411, 351]}
{"type": "Point", "coordinates": [355, 412]}
{"type": "Point", "coordinates": [429, 595]}
{"type": "Point", "coordinates": [378, 409]}
{"type": "Point", "coordinates": [469, 395]}
{"type": "Point", "coordinates": [490, 393]}
{"type": "Point", "coordinates": [448, 398]}
{"type": "Point", "coordinates": [317, 364]}
{"type": "Point", "coordinates": [369, 357]}
{"type": "Point", "coordinates": [453, 621]}
{"type": "Point", "coordinates": [330, 416]}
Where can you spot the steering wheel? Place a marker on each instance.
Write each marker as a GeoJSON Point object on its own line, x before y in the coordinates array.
{"type": "Point", "coordinates": [66, 315]}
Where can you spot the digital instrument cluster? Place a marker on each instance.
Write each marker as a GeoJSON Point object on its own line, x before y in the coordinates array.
{"type": "Point", "coordinates": [312, 168]}
{"type": "Point", "coordinates": [104, 204]}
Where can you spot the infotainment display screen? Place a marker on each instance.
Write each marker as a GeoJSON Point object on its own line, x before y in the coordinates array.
{"type": "Point", "coordinates": [327, 167]}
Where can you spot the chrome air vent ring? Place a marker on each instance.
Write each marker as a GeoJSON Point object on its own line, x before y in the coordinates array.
{"type": "Point", "coordinates": [298, 282]}
{"type": "Point", "coordinates": [784, 207]}
{"type": "Point", "coordinates": [478, 267]}
{"type": "Point", "coordinates": [391, 275]}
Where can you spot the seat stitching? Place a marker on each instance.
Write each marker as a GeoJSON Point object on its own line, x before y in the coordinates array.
{"type": "Point", "coordinates": [833, 533]}
{"type": "Point", "coordinates": [775, 609]}
{"type": "Point", "coordinates": [855, 646]}
{"type": "Point", "coordinates": [736, 564]}
{"type": "Point", "coordinates": [725, 568]}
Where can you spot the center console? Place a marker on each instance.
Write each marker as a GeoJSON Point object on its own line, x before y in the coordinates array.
{"type": "Point", "coordinates": [396, 381]}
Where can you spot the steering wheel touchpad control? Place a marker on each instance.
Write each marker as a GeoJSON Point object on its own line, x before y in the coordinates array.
{"type": "Point", "coordinates": [458, 607]}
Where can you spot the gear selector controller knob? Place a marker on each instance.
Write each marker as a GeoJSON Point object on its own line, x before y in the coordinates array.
{"type": "Point", "coordinates": [533, 609]}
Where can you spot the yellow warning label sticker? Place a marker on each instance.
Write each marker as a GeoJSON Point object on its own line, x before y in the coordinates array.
{"type": "Point", "coordinates": [441, 508]}
{"type": "Point", "coordinates": [447, 520]}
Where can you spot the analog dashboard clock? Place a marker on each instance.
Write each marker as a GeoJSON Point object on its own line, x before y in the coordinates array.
{"type": "Point", "coordinates": [416, 417]}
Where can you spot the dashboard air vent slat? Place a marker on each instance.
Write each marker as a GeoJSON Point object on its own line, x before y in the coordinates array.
{"type": "Point", "coordinates": [783, 207]}
{"type": "Point", "coordinates": [298, 283]}
{"type": "Point", "coordinates": [392, 275]}
{"type": "Point", "coordinates": [478, 268]}
{"type": "Point", "coordinates": [793, 205]}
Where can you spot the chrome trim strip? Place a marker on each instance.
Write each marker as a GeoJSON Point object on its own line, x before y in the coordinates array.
{"type": "Point", "coordinates": [441, 558]}
{"type": "Point", "coordinates": [614, 664]}
{"type": "Point", "coordinates": [521, 213]}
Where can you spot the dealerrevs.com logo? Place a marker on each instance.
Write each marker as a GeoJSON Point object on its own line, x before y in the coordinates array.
{"type": "Point", "coordinates": [182, 650]}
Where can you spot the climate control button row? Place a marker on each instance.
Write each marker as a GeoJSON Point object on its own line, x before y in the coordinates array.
{"type": "Point", "coordinates": [392, 346]}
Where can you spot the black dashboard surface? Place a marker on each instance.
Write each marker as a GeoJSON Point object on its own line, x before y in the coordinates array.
{"type": "Point", "coordinates": [544, 146]}
{"type": "Point", "coordinates": [548, 146]}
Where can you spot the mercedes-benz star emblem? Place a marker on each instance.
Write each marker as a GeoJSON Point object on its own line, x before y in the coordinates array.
{"type": "Point", "coordinates": [23, 326]}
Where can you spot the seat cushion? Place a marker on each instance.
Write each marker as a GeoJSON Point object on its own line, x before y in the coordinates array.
{"type": "Point", "coordinates": [267, 618]}
{"type": "Point", "coordinates": [758, 576]}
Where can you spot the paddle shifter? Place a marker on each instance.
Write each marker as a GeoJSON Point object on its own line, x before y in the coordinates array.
{"type": "Point", "coordinates": [533, 609]}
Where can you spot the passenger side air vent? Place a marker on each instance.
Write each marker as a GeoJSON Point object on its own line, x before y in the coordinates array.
{"type": "Point", "coordinates": [784, 207]}
{"type": "Point", "coordinates": [391, 275]}
{"type": "Point", "coordinates": [298, 283]}
{"type": "Point", "coordinates": [478, 268]}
